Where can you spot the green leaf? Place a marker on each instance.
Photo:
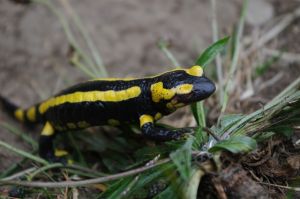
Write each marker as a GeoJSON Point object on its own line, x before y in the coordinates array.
{"type": "Point", "coordinates": [151, 177]}
{"type": "Point", "coordinates": [182, 159]}
{"type": "Point", "coordinates": [149, 152]}
{"type": "Point", "coordinates": [174, 190]}
{"type": "Point", "coordinates": [148, 177]}
{"type": "Point", "coordinates": [210, 53]}
{"type": "Point", "coordinates": [168, 193]}
{"type": "Point", "coordinates": [262, 136]}
{"type": "Point", "coordinates": [199, 113]}
{"type": "Point", "coordinates": [284, 130]}
{"type": "Point", "coordinates": [191, 187]}
{"type": "Point", "coordinates": [235, 144]}
{"type": "Point", "coordinates": [200, 138]}
{"type": "Point", "coordinates": [117, 188]}
{"type": "Point", "coordinates": [228, 120]}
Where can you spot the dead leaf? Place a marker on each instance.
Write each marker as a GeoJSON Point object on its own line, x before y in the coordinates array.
{"type": "Point", "coordinates": [294, 161]}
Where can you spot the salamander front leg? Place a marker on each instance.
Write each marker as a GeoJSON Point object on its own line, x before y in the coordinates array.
{"type": "Point", "coordinates": [158, 133]}
{"type": "Point", "coordinates": [46, 149]}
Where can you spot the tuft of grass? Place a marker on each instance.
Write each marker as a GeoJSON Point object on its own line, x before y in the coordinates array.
{"type": "Point", "coordinates": [236, 48]}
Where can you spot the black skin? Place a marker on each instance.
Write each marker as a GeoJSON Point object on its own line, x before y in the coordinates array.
{"type": "Point", "coordinates": [128, 111]}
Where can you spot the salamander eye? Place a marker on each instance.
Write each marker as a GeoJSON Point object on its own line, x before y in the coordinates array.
{"type": "Point", "coordinates": [195, 71]}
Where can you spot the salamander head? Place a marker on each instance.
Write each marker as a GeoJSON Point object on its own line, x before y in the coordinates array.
{"type": "Point", "coordinates": [181, 87]}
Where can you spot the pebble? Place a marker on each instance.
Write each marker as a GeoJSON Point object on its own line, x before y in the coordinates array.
{"type": "Point", "coordinates": [259, 12]}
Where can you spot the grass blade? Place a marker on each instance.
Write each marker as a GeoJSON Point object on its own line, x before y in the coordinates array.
{"type": "Point", "coordinates": [23, 153]}
{"type": "Point", "coordinates": [210, 53]}
{"type": "Point", "coordinates": [235, 144]}
{"type": "Point", "coordinates": [23, 135]}
{"type": "Point", "coordinates": [71, 39]}
{"type": "Point", "coordinates": [182, 159]}
{"type": "Point", "coordinates": [99, 67]}
{"type": "Point", "coordinates": [163, 46]}
{"type": "Point", "coordinates": [235, 57]}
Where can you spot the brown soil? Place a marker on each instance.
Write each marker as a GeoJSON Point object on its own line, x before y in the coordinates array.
{"type": "Point", "coordinates": [33, 46]}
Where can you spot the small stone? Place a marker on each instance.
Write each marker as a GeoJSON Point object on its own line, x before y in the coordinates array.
{"type": "Point", "coordinates": [259, 12]}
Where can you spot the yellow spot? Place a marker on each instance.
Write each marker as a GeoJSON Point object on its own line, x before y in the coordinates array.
{"type": "Point", "coordinates": [173, 101]}
{"type": "Point", "coordinates": [113, 122]}
{"type": "Point", "coordinates": [71, 125]}
{"type": "Point", "coordinates": [83, 124]}
{"type": "Point", "coordinates": [184, 88]}
{"type": "Point", "coordinates": [47, 130]}
{"type": "Point", "coordinates": [60, 128]}
{"type": "Point", "coordinates": [157, 116]}
{"type": "Point", "coordinates": [170, 106]}
{"type": "Point", "coordinates": [91, 96]}
{"type": "Point", "coordinates": [19, 114]}
{"type": "Point", "coordinates": [173, 105]}
{"type": "Point", "coordinates": [179, 105]}
{"type": "Point", "coordinates": [70, 161]}
{"type": "Point", "coordinates": [160, 93]}
{"type": "Point", "coordinates": [195, 71]}
{"type": "Point", "coordinates": [30, 114]}
{"type": "Point", "coordinates": [145, 119]}
{"type": "Point", "coordinates": [60, 152]}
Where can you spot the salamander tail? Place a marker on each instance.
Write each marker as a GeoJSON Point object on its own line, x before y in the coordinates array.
{"type": "Point", "coordinates": [26, 116]}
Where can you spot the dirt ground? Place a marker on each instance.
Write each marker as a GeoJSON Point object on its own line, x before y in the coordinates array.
{"type": "Point", "coordinates": [33, 46]}
{"type": "Point", "coordinates": [34, 49]}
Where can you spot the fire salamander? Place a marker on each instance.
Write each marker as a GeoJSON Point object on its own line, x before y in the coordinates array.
{"type": "Point", "coordinates": [113, 102]}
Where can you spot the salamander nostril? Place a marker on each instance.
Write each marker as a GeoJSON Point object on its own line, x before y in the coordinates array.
{"type": "Point", "coordinates": [209, 88]}
{"type": "Point", "coordinates": [204, 88]}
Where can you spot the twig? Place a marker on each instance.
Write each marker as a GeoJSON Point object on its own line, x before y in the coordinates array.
{"type": "Point", "coordinates": [87, 170]}
{"type": "Point", "coordinates": [20, 174]}
{"type": "Point", "coordinates": [288, 57]}
{"type": "Point", "coordinates": [42, 169]}
{"type": "Point", "coordinates": [84, 182]}
{"type": "Point", "coordinates": [209, 131]}
{"type": "Point", "coordinates": [270, 82]}
{"type": "Point", "coordinates": [281, 186]}
{"type": "Point", "coordinates": [264, 159]}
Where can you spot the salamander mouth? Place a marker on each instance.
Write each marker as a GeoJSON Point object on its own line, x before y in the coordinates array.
{"type": "Point", "coordinates": [186, 98]}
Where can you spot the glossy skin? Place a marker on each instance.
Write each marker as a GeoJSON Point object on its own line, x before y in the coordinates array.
{"type": "Point", "coordinates": [114, 102]}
